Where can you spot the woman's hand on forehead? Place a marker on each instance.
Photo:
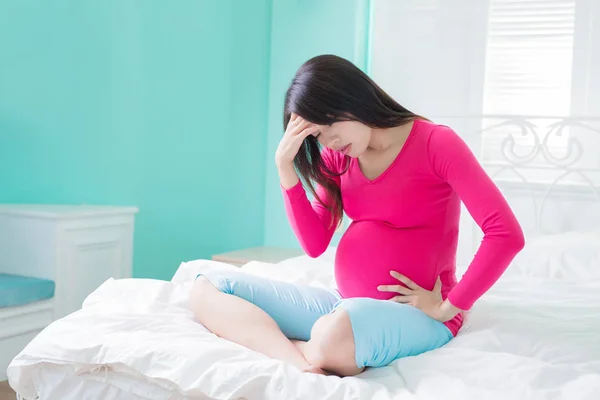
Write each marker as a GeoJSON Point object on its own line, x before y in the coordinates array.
{"type": "Point", "coordinates": [297, 120]}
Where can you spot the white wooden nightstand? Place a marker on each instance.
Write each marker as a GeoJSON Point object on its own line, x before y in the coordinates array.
{"type": "Point", "coordinates": [264, 254]}
{"type": "Point", "coordinates": [78, 247]}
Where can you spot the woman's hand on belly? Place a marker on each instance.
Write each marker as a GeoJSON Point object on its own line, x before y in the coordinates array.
{"type": "Point", "coordinates": [430, 302]}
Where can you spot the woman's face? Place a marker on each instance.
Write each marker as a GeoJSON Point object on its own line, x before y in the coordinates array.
{"type": "Point", "coordinates": [348, 137]}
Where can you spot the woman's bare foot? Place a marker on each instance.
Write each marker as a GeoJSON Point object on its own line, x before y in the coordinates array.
{"type": "Point", "coordinates": [301, 345]}
{"type": "Point", "coordinates": [316, 370]}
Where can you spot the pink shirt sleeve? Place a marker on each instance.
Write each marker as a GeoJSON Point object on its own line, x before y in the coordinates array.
{"type": "Point", "coordinates": [310, 221]}
{"type": "Point", "coordinates": [452, 161]}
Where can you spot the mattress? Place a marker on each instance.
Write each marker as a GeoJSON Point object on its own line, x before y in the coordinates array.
{"type": "Point", "coordinates": [527, 338]}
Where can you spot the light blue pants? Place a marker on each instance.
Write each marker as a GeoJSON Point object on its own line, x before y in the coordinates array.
{"type": "Point", "coordinates": [383, 330]}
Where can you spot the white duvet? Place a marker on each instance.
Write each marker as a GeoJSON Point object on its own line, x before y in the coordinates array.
{"type": "Point", "coordinates": [135, 339]}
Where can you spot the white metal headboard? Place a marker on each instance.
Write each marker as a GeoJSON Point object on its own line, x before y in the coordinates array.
{"type": "Point", "coordinates": [542, 159]}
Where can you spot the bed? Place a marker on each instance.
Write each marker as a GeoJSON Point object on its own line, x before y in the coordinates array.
{"type": "Point", "coordinates": [135, 339]}
{"type": "Point", "coordinates": [534, 335]}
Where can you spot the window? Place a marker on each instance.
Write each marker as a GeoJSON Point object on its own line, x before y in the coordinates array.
{"type": "Point", "coordinates": [528, 70]}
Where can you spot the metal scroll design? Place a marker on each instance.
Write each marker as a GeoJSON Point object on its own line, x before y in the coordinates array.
{"type": "Point", "coordinates": [540, 153]}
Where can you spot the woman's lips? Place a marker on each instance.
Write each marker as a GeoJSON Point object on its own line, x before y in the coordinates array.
{"type": "Point", "coordinates": [344, 150]}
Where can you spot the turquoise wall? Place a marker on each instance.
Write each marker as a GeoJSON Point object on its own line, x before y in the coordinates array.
{"type": "Point", "coordinates": [161, 105]}
{"type": "Point", "coordinates": [299, 31]}
{"type": "Point", "coordinates": [174, 107]}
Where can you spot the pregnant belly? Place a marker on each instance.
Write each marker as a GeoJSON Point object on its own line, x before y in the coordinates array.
{"type": "Point", "coordinates": [369, 250]}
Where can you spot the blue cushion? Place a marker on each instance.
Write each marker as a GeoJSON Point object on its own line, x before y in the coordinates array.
{"type": "Point", "coordinates": [16, 290]}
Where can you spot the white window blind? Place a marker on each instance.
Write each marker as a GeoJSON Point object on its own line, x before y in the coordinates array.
{"type": "Point", "coordinates": [529, 57]}
{"type": "Point", "coordinates": [528, 67]}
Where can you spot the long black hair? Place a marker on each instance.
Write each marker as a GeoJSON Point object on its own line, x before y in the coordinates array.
{"type": "Point", "coordinates": [327, 89]}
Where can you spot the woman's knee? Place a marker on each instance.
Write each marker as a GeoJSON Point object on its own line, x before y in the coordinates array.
{"type": "Point", "coordinates": [202, 294]}
{"type": "Point", "coordinates": [204, 286]}
{"type": "Point", "coordinates": [201, 287]}
{"type": "Point", "coordinates": [331, 346]}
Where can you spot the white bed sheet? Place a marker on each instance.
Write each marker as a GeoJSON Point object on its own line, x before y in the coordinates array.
{"type": "Point", "coordinates": [62, 382]}
{"type": "Point", "coordinates": [525, 339]}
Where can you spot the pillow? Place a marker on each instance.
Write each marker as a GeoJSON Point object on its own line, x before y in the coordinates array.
{"type": "Point", "coordinates": [565, 256]}
{"type": "Point", "coordinates": [316, 271]}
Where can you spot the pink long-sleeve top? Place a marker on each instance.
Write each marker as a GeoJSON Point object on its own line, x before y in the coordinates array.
{"type": "Point", "coordinates": [407, 220]}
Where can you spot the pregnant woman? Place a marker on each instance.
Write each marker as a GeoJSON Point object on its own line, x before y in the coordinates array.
{"type": "Point", "coordinates": [401, 179]}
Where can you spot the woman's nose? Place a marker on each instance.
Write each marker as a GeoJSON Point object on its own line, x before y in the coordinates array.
{"type": "Point", "coordinates": [331, 142]}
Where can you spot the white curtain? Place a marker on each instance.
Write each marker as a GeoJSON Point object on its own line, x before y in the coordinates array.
{"type": "Point", "coordinates": [520, 81]}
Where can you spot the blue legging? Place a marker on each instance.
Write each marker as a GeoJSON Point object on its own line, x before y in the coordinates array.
{"type": "Point", "coordinates": [383, 330]}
